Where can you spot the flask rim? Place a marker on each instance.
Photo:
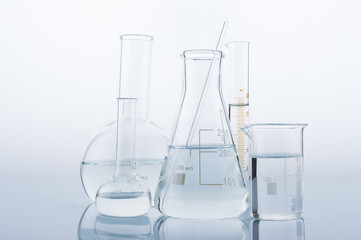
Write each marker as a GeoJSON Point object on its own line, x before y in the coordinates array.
{"type": "Point", "coordinates": [276, 125]}
{"type": "Point", "coordinates": [137, 37]}
{"type": "Point", "coordinates": [240, 42]}
{"type": "Point", "coordinates": [202, 54]}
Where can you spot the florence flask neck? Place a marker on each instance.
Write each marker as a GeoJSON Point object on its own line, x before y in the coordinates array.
{"type": "Point", "coordinates": [135, 65]}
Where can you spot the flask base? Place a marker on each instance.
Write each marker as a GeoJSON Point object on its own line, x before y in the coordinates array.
{"type": "Point", "coordinates": [123, 204]}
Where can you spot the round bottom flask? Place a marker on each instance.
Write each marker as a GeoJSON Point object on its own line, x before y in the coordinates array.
{"type": "Point", "coordinates": [99, 159]}
{"type": "Point", "coordinates": [123, 198]}
{"type": "Point", "coordinates": [124, 194]}
{"type": "Point", "coordinates": [151, 141]}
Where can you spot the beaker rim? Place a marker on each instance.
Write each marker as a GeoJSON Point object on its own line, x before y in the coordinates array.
{"type": "Point", "coordinates": [238, 41]}
{"type": "Point", "coordinates": [127, 99]}
{"type": "Point", "coordinates": [137, 37]}
{"type": "Point", "coordinates": [202, 54]}
{"type": "Point", "coordinates": [277, 125]}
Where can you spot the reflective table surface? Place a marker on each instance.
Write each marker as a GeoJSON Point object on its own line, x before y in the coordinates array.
{"type": "Point", "coordinates": [57, 209]}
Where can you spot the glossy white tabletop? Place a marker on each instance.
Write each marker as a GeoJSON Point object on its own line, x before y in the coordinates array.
{"type": "Point", "coordinates": [58, 209]}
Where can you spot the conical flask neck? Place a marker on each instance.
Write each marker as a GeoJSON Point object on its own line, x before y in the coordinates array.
{"type": "Point", "coordinates": [201, 70]}
{"type": "Point", "coordinates": [202, 117]}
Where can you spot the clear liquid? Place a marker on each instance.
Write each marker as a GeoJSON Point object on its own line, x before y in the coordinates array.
{"type": "Point", "coordinates": [239, 117]}
{"type": "Point", "coordinates": [202, 183]}
{"type": "Point", "coordinates": [123, 204]}
{"type": "Point", "coordinates": [94, 174]}
{"type": "Point", "coordinates": [277, 186]}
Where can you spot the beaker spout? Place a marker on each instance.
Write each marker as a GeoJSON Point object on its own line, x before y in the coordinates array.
{"type": "Point", "coordinates": [246, 130]}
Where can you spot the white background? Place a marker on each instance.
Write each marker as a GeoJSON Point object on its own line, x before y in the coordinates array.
{"type": "Point", "coordinates": [59, 72]}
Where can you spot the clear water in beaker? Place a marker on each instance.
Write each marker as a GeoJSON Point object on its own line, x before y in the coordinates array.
{"type": "Point", "coordinates": [276, 160]}
{"type": "Point", "coordinates": [279, 183]}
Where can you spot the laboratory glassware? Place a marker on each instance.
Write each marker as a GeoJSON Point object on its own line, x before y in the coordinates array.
{"type": "Point", "coordinates": [86, 223]}
{"type": "Point", "coordinates": [124, 194]}
{"type": "Point", "coordinates": [276, 158]}
{"type": "Point", "coordinates": [110, 228]}
{"type": "Point", "coordinates": [200, 229]}
{"type": "Point", "coordinates": [201, 177]}
{"type": "Point", "coordinates": [291, 229]}
{"type": "Point", "coordinates": [238, 100]}
{"type": "Point", "coordinates": [151, 140]}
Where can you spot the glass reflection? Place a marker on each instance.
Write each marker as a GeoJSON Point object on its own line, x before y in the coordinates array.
{"type": "Point", "coordinates": [93, 226]}
{"type": "Point", "coordinates": [154, 226]}
{"type": "Point", "coordinates": [86, 223]}
{"type": "Point", "coordinates": [109, 228]}
{"type": "Point", "coordinates": [180, 229]}
{"type": "Point", "coordinates": [280, 230]}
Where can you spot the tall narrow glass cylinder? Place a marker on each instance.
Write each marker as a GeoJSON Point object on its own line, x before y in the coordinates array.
{"type": "Point", "coordinates": [238, 106]}
{"type": "Point", "coordinates": [135, 70]}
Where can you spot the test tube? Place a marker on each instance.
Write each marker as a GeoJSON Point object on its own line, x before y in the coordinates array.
{"type": "Point", "coordinates": [239, 101]}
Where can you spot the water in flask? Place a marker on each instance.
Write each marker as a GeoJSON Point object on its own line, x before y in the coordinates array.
{"type": "Point", "coordinates": [151, 140]}
{"type": "Point", "coordinates": [123, 204]}
{"type": "Point", "coordinates": [205, 183]}
{"type": "Point", "coordinates": [201, 177]}
{"type": "Point", "coordinates": [124, 194]}
{"type": "Point", "coordinates": [94, 174]}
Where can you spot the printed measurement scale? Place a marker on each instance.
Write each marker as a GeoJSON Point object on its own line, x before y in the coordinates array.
{"type": "Point", "coordinates": [238, 115]}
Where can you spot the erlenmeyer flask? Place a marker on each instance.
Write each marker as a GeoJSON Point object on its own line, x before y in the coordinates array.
{"type": "Point", "coordinates": [151, 141]}
{"type": "Point", "coordinates": [201, 178]}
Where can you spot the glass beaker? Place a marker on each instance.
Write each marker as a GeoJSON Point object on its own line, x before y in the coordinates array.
{"type": "Point", "coordinates": [292, 229]}
{"type": "Point", "coordinates": [238, 101]}
{"type": "Point", "coordinates": [151, 140]}
{"type": "Point", "coordinates": [201, 178]}
{"type": "Point", "coordinates": [276, 159]}
{"type": "Point", "coordinates": [124, 194]}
